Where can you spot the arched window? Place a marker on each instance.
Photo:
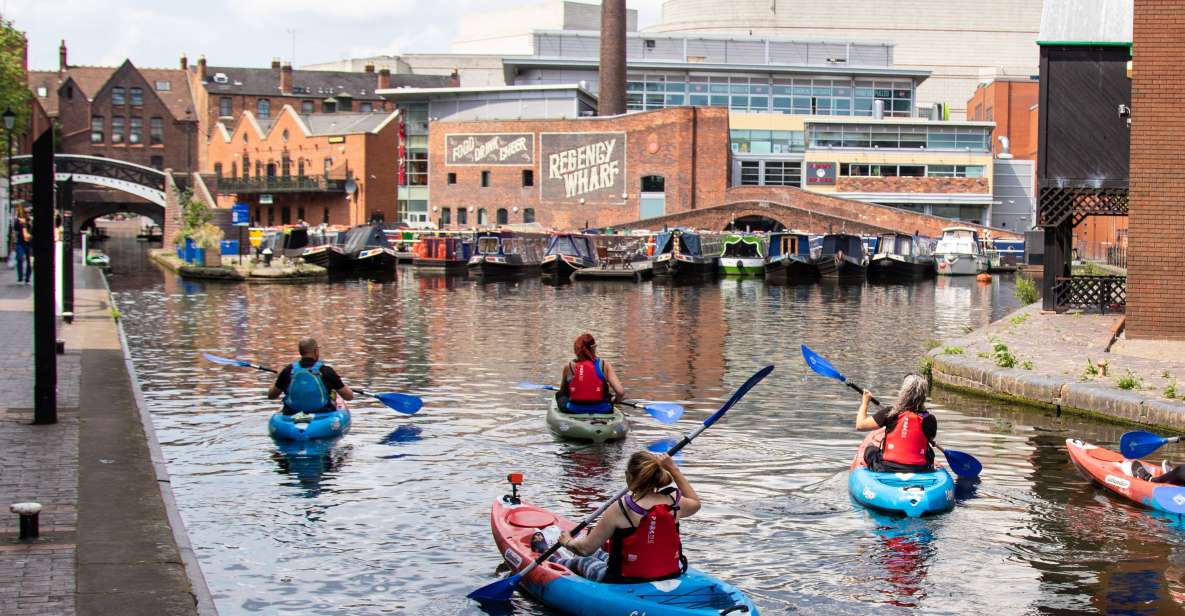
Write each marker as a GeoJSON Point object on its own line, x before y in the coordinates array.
{"type": "Point", "coordinates": [503, 217]}
{"type": "Point", "coordinates": [529, 214]}
{"type": "Point", "coordinates": [263, 108]}
{"type": "Point", "coordinates": [481, 216]}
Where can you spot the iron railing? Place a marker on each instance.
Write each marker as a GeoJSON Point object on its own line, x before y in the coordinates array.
{"type": "Point", "coordinates": [306, 183]}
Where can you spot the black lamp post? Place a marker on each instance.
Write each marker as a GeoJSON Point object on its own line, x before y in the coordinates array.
{"type": "Point", "coordinates": [9, 124]}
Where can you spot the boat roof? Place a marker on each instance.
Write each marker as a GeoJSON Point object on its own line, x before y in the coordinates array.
{"type": "Point", "coordinates": [959, 229]}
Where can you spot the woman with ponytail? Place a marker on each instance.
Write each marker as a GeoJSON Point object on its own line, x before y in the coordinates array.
{"type": "Point", "coordinates": [909, 430]}
{"type": "Point", "coordinates": [638, 540]}
{"type": "Point", "coordinates": [588, 383]}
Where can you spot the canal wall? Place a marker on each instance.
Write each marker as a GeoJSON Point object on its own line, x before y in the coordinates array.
{"type": "Point", "coordinates": [231, 272]}
{"type": "Point", "coordinates": [1062, 362]}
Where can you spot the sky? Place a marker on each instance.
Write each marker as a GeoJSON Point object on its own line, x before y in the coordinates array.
{"type": "Point", "coordinates": [154, 33]}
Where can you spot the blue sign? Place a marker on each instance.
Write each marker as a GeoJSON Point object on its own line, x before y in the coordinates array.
{"type": "Point", "coordinates": [240, 215]}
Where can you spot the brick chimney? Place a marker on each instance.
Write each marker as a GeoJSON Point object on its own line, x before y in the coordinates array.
{"type": "Point", "coordinates": [202, 67]}
{"type": "Point", "coordinates": [62, 65]}
{"type": "Point", "coordinates": [611, 98]}
{"type": "Point", "coordinates": [286, 78]}
{"type": "Point", "coordinates": [369, 68]}
{"type": "Point", "coordinates": [384, 79]}
{"type": "Point", "coordinates": [275, 64]}
{"type": "Point", "coordinates": [184, 62]}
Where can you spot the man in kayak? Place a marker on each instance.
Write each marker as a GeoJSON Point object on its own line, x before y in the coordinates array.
{"type": "Point", "coordinates": [642, 531]}
{"type": "Point", "coordinates": [308, 385]}
{"type": "Point", "coordinates": [1173, 475]}
{"type": "Point", "coordinates": [588, 383]}
{"type": "Point", "coordinates": [909, 430]}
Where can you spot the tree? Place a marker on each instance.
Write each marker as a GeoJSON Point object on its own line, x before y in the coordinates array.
{"type": "Point", "coordinates": [14, 87]}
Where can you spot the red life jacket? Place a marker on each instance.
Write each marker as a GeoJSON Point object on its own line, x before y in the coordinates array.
{"type": "Point", "coordinates": [906, 443]}
{"type": "Point", "coordinates": [587, 383]}
{"type": "Point", "coordinates": [651, 550]}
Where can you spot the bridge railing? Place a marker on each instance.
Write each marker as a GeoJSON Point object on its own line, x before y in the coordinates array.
{"type": "Point", "coordinates": [308, 183]}
{"type": "Point", "coordinates": [97, 166]}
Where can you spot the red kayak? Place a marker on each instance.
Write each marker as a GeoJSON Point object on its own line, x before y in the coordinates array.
{"type": "Point", "coordinates": [1114, 472]}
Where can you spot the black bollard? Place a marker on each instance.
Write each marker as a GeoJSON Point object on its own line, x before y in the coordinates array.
{"type": "Point", "coordinates": [30, 514]}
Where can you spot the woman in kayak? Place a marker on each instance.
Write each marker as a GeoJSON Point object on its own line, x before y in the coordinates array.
{"type": "Point", "coordinates": [588, 383]}
{"type": "Point", "coordinates": [642, 531]}
{"type": "Point", "coordinates": [909, 430]}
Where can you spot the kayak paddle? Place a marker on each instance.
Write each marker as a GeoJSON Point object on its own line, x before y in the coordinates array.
{"type": "Point", "coordinates": [1170, 498]}
{"type": "Point", "coordinates": [664, 412]}
{"type": "Point", "coordinates": [404, 403]}
{"type": "Point", "coordinates": [963, 464]}
{"type": "Point", "coordinates": [503, 589]}
{"type": "Point", "coordinates": [1135, 445]}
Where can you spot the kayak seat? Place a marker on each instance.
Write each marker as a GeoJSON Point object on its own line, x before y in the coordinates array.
{"type": "Point", "coordinates": [1106, 455]}
{"type": "Point", "coordinates": [531, 518]}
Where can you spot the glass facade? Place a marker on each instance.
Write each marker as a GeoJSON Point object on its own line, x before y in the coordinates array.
{"type": "Point", "coordinates": [769, 94]}
{"type": "Point", "coordinates": [412, 203]}
{"type": "Point", "coordinates": [767, 141]}
{"type": "Point", "coordinates": [900, 137]}
{"type": "Point", "coordinates": [771, 173]}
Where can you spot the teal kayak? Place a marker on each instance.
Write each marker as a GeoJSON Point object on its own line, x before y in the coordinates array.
{"type": "Point", "coordinates": [911, 494]}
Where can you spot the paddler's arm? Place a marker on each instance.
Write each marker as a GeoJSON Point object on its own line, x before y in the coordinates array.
{"type": "Point", "coordinates": [588, 543]}
{"type": "Point", "coordinates": [863, 421]}
{"type": "Point", "coordinates": [689, 504]}
{"type": "Point", "coordinates": [334, 381]}
{"type": "Point", "coordinates": [277, 388]}
{"type": "Point", "coordinates": [565, 376]}
{"type": "Point", "coordinates": [614, 383]}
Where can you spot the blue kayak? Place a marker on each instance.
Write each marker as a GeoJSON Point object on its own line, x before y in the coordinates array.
{"type": "Point", "coordinates": [307, 426]}
{"type": "Point", "coordinates": [692, 594]}
{"type": "Point", "coordinates": [911, 494]}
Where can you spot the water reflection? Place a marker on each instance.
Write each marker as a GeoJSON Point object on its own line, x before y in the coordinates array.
{"type": "Point", "coordinates": [903, 548]}
{"type": "Point", "coordinates": [311, 462]}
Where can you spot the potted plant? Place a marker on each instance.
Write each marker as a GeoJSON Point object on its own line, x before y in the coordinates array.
{"type": "Point", "coordinates": [208, 238]}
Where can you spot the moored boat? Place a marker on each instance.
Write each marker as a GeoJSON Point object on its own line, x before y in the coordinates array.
{"type": "Point", "coordinates": [595, 427]}
{"type": "Point", "coordinates": [368, 250]}
{"type": "Point", "coordinates": [742, 255]}
{"type": "Point", "coordinates": [693, 593]}
{"type": "Point", "coordinates": [789, 258]}
{"type": "Point", "coordinates": [443, 253]}
{"type": "Point", "coordinates": [308, 426]}
{"type": "Point", "coordinates": [683, 254]}
{"type": "Point", "coordinates": [901, 257]}
{"type": "Point", "coordinates": [1111, 470]}
{"type": "Point", "coordinates": [505, 254]}
{"type": "Point", "coordinates": [567, 253]}
{"type": "Point", "coordinates": [910, 494]}
{"type": "Point", "coordinates": [842, 257]}
{"type": "Point", "coordinates": [959, 253]}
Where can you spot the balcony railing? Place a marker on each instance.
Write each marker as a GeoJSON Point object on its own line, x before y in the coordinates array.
{"type": "Point", "coordinates": [280, 184]}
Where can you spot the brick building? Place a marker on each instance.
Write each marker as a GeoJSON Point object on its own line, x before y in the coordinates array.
{"type": "Point", "coordinates": [140, 115]}
{"type": "Point", "coordinates": [1011, 104]}
{"type": "Point", "coordinates": [1156, 282]}
{"type": "Point", "coordinates": [321, 168]}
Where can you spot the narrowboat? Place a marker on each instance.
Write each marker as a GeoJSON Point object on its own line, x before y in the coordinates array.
{"type": "Point", "coordinates": [789, 258]}
{"type": "Point", "coordinates": [742, 255]}
{"type": "Point", "coordinates": [683, 254]}
{"type": "Point", "coordinates": [842, 257]}
{"type": "Point", "coordinates": [443, 253]}
{"type": "Point", "coordinates": [323, 250]}
{"type": "Point", "coordinates": [368, 250]}
{"type": "Point", "coordinates": [505, 254]}
{"type": "Point", "coordinates": [567, 253]}
{"type": "Point", "coordinates": [403, 241]}
{"type": "Point", "coordinates": [959, 253]}
{"type": "Point", "coordinates": [901, 257]}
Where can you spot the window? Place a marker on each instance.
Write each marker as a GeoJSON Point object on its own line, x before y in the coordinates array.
{"type": "Point", "coordinates": [136, 130]}
{"type": "Point", "coordinates": [328, 105]}
{"type": "Point", "coordinates": [529, 214]}
{"type": "Point", "coordinates": [782, 173]}
{"type": "Point", "coordinates": [767, 141]}
{"type": "Point", "coordinates": [971, 138]}
{"type": "Point", "coordinates": [163, 86]}
{"type": "Point", "coordinates": [234, 173]}
{"type": "Point", "coordinates": [117, 96]}
{"type": "Point", "coordinates": [116, 129]}
{"type": "Point", "coordinates": [328, 165]}
{"type": "Point", "coordinates": [263, 108]}
{"type": "Point", "coordinates": [97, 129]}
{"type": "Point", "coordinates": [462, 216]}
{"type": "Point", "coordinates": [137, 96]}
{"type": "Point", "coordinates": [307, 107]}
{"type": "Point", "coordinates": [325, 216]}
{"type": "Point", "coordinates": [365, 107]}
{"type": "Point", "coordinates": [285, 215]}
{"type": "Point", "coordinates": [528, 177]}
{"type": "Point", "coordinates": [750, 173]}
{"type": "Point", "coordinates": [158, 163]}
{"type": "Point", "coordinates": [446, 216]}
{"type": "Point", "coordinates": [225, 106]}
{"type": "Point", "coordinates": [502, 216]}
{"type": "Point", "coordinates": [258, 169]}
{"type": "Point", "coordinates": [286, 167]}
{"type": "Point", "coordinates": [218, 170]}
{"type": "Point", "coordinates": [481, 216]}
{"type": "Point", "coordinates": [42, 91]}
{"type": "Point", "coordinates": [156, 131]}
{"type": "Point", "coordinates": [485, 183]}
{"type": "Point", "coordinates": [300, 214]}
{"type": "Point", "coordinates": [653, 184]}
{"type": "Point", "coordinates": [955, 171]}
{"type": "Point", "coordinates": [452, 178]}
{"type": "Point", "coordinates": [246, 167]}
{"type": "Point", "coordinates": [271, 216]}
{"type": "Point", "coordinates": [345, 104]}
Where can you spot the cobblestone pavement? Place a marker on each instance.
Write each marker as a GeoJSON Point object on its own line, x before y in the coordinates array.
{"type": "Point", "coordinates": [37, 463]}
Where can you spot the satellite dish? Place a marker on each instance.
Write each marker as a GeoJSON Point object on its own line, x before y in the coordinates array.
{"type": "Point", "coordinates": [351, 186]}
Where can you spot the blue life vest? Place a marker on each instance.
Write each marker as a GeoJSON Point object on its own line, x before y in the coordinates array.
{"type": "Point", "coordinates": [306, 391]}
{"type": "Point", "coordinates": [576, 389]}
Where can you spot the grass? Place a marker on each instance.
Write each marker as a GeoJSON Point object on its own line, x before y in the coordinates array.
{"type": "Point", "coordinates": [1091, 370]}
{"type": "Point", "coordinates": [1019, 319]}
{"type": "Point", "coordinates": [1170, 391]}
{"type": "Point", "coordinates": [1129, 381]}
{"type": "Point", "coordinates": [932, 344]}
{"type": "Point", "coordinates": [926, 366]}
{"type": "Point", "coordinates": [984, 355]}
{"type": "Point", "coordinates": [116, 314]}
{"type": "Point", "coordinates": [952, 350]}
{"type": "Point", "coordinates": [1026, 290]}
{"type": "Point", "coordinates": [1026, 364]}
{"type": "Point", "coordinates": [1002, 355]}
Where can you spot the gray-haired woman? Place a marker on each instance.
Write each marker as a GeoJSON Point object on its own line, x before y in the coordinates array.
{"type": "Point", "coordinates": [909, 430]}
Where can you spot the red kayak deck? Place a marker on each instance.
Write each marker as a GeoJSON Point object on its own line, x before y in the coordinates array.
{"type": "Point", "coordinates": [513, 527]}
{"type": "Point", "coordinates": [1114, 472]}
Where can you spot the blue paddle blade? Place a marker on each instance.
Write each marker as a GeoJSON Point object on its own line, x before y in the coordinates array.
{"type": "Point", "coordinates": [665, 412]}
{"type": "Point", "coordinates": [226, 361]}
{"type": "Point", "coordinates": [738, 394]}
{"type": "Point", "coordinates": [404, 403]}
{"type": "Point", "coordinates": [501, 590]}
{"type": "Point", "coordinates": [1170, 498]}
{"type": "Point", "coordinates": [815, 362]}
{"type": "Point", "coordinates": [1135, 445]}
{"type": "Point", "coordinates": [663, 446]}
{"type": "Point", "coordinates": [963, 464]}
{"type": "Point", "coordinates": [526, 385]}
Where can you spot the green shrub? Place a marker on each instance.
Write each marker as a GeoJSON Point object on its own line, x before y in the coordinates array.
{"type": "Point", "coordinates": [1091, 370]}
{"type": "Point", "coordinates": [1026, 364]}
{"type": "Point", "coordinates": [1019, 319]}
{"type": "Point", "coordinates": [926, 366]}
{"type": "Point", "coordinates": [1003, 357]}
{"type": "Point", "coordinates": [1171, 390]}
{"type": "Point", "coordinates": [932, 344]}
{"type": "Point", "coordinates": [984, 355]}
{"type": "Point", "coordinates": [952, 350]}
{"type": "Point", "coordinates": [1026, 290]}
{"type": "Point", "coordinates": [1129, 381]}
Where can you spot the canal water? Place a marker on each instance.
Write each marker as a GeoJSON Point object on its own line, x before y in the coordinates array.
{"type": "Point", "coordinates": [394, 518]}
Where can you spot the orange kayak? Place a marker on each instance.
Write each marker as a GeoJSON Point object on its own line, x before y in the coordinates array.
{"type": "Point", "coordinates": [1114, 472]}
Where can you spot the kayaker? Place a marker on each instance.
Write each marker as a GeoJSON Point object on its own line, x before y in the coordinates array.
{"type": "Point", "coordinates": [308, 385]}
{"type": "Point", "coordinates": [909, 430]}
{"type": "Point", "coordinates": [588, 383]}
{"type": "Point", "coordinates": [1173, 475]}
{"type": "Point", "coordinates": [642, 531]}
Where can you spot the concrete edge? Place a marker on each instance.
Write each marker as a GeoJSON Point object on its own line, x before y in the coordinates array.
{"type": "Point", "coordinates": [193, 570]}
{"type": "Point", "coordinates": [222, 274]}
